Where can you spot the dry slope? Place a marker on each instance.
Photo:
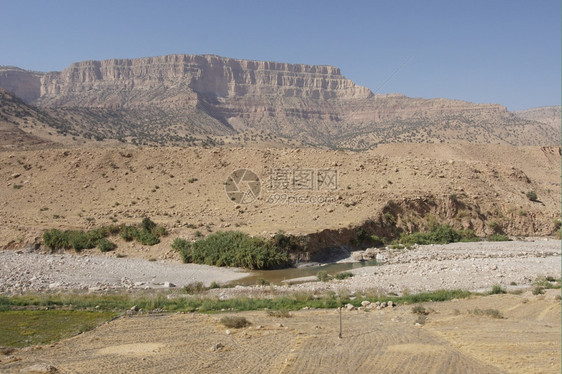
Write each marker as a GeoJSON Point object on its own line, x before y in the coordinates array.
{"type": "Point", "coordinates": [479, 187]}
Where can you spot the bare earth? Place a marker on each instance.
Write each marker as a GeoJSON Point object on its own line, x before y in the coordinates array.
{"type": "Point", "coordinates": [453, 340]}
{"type": "Point", "coordinates": [184, 189]}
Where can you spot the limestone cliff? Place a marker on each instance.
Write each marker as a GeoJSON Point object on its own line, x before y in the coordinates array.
{"type": "Point", "coordinates": [168, 99]}
{"type": "Point", "coordinates": [25, 84]}
{"type": "Point", "coordinates": [176, 78]}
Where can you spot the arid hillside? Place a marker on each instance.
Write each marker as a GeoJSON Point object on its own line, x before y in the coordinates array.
{"type": "Point", "coordinates": [180, 100]}
{"type": "Point", "coordinates": [547, 114]}
{"type": "Point", "coordinates": [326, 194]}
{"type": "Point", "coordinates": [15, 117]}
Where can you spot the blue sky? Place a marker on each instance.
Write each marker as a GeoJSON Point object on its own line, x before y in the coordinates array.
{"type": "Point", "coordinates": [494, 51]}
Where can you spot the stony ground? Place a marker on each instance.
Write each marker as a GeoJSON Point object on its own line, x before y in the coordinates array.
{"type": "Point", "coordinates": [470, 266]}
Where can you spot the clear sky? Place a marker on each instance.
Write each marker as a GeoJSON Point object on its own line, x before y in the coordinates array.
{"type": "Point", "coordinates": [484, 51]}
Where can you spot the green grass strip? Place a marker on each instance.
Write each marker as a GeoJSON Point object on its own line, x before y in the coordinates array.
{"type": "Point", "coordinates": [30, 327]}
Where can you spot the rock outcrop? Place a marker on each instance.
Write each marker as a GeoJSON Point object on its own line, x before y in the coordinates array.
{"type": "Point", "coordinates": [167, 99]}
{"type": "Point", "coordinates": [25, 84]}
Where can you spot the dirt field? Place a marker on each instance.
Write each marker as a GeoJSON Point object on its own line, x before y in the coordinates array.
{"type": "Point", "coordinates": [453, 340]}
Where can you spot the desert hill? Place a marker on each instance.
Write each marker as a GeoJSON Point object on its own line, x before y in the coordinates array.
{"type": "Point", "coordinates": [15, 118]}
{"type": "Point", "coordinates": [392, 188]}
{"type": "Point", "coordinates": [208, 100]}
{"type": "Point", "coordinates": [546, 114]}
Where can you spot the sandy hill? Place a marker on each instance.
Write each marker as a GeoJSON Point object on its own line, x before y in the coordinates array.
{"type": "Point", "coordinates": [208, 100]}
{"type": "Point", "coordinates": [322, 193]}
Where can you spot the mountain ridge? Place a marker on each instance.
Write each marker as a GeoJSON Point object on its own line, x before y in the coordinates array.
{"type": "Point", "coordinates": [169, 100]}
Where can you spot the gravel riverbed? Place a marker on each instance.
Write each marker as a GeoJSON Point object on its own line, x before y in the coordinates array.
{"type": "Point", "coordinates": [471, 266]}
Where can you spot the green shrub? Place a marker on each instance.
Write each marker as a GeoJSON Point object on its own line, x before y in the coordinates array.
{"type": "Point", "coordinates": [418, 309]}
{"type": "Point", "coordinates": [160, 231]}
{"type": "Point", "coordinates": [149, 232]}
{"type": "Point", "coordinates": [55, 239]}
{"type": "Point", "coordinates": [192, 288]}
{"type": "Point", "coordinates": [437, 234]}
{"type": "Point", "coordinates": [214, 285]}
{"type": "Point", "coordinates": [290, 243]}
{"type": "Point", "coordinates": [546, 282]}
{"type": "Point", "coordinates": [498, 238]}
{"type": "Point", "coordinates": [376, 241]}
{"type": "Point", "coordinates": [183, 247]}
{"type": "Point", "coordinates": [323, 276]}
{"type": "Point", "coordinates": [343, 275]}
{"type": "Point", "coordinates": [128, 233]}
{"type": "Point", "coordinates": [532, 195]}
{"type": "Point", "coordinates": [146, 237]}
{"type": "Point", "coordinates": [538, 290]}
{"type": "Point", "coordinates": [232, 248]}
{"type": "Point", "coordinates": [468, 235]}
{"type": "Point", "coordinates": [79, 240]}
{"type": "Point", "coordinates": [497, 289]}
{"type": "Point", "coordinates": [262, 282]}
{"type": "Point", "coordinates": [147, 224]}
{"type": "Point", "coordinates": [234, 322]}
{"type": "Point", "coordinates": [105, 245]}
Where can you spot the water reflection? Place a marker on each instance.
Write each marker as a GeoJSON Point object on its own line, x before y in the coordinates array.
{"type": "Point", "coordinates": [280, 275]}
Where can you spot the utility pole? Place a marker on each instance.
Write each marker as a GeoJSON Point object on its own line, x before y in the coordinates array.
{"type": "Point", "coordinates": [340, 336]}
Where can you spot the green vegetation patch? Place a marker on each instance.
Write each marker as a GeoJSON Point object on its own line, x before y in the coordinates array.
{"type": "Point", "coordinates": [497, 290]}
{"type": "Point", "coordinates": [202, 303]}
{"type": "Point", "coordinates": [232, 248]}
{"type": "Point", "coordinates": [147, 233]}
{"type": "Point", "coordinates": [498, 238]}
{"type": "Point", "coordinates": [25, 328]}
{"type": "Point", "coordinates": [532, 195]}
{"type": "Point", "coordinates": [437, 234]}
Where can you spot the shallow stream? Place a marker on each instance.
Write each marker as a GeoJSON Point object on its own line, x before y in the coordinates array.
{"type": "Point", "coordinates": [280, 275]}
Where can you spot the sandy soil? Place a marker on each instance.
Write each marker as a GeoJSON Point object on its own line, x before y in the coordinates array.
{"type": "Point", "coordinates": [453, 340]}
{"type": "Point", "coordinates": [184, 189]}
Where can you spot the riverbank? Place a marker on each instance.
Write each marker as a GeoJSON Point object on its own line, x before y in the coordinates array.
{"type": "Point", "coordinates": [471, 266]}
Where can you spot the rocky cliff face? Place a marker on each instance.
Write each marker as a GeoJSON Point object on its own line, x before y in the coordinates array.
{"type": "Point", "coordinates": [163, 79]}
{"type": "Point", "coordinates": [25, 84]}
{"type": "Point", "coordinates": [169, 98]}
